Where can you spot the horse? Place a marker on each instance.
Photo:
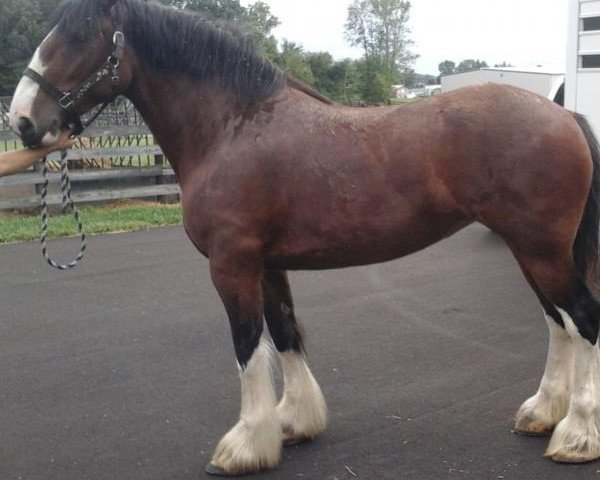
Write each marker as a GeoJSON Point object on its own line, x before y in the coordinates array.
{"type": "Point", "coordinates": [274, 177]}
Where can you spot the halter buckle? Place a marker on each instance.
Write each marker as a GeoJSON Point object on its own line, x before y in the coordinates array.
{"type": "Point", "coordinates": [119, 45]}
{"type": "Point", "coordinates": [66, 101]}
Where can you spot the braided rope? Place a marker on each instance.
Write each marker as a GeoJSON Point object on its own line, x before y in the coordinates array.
{"type": "Point", "coordinates": [67, 201]}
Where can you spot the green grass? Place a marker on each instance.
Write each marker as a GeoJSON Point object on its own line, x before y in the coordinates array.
{"type": "Point", "coordinates": [107, 219]}
{"type": "Point", "coordinates": [8, 145]}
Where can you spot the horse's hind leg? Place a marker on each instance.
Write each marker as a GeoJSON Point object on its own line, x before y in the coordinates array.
{"type": "Point", "coordinates": [576, 438]}
{"type": "Point", "coordinates": [302, 410]}
{"type": "Point", "coordinates": [254, 443]}
{"type": "Point", "coordinates": [540, 413]}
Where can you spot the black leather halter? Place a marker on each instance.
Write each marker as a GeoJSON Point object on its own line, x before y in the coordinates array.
{"type": "Point", "coordinates": [67, 100]}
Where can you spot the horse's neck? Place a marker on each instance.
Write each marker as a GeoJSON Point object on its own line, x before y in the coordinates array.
{"type": "Point", "coordinates": [187, 118]}
{"type": "Point", "coordinates": [183, 116]}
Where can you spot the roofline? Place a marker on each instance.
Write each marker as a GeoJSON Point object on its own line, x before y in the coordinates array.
{"type": "Point", "coordinates": [509, 70]}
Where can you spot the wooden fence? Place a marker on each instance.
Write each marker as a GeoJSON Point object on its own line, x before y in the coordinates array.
{"type": "Point", "coordinates": [117, 159]}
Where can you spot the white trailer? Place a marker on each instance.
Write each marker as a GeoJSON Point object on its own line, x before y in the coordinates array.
{"type": "Point", "coordinates": [582, 87]}
{"type": "Point", "coordinates": [549, 84]}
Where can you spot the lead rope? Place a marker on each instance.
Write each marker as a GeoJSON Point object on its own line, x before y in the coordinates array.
{"type": "Point", "coordinates": [67, 201]}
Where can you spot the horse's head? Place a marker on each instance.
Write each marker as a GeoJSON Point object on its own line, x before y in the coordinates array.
{"type": "Point", "coordinates": [75, 68]}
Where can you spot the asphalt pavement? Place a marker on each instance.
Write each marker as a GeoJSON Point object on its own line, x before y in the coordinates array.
{"type": "Point", "coordinates": [124, 368]}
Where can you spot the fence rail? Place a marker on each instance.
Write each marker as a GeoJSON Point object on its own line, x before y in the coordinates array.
{"type": "Point", "coordinates": [117, 159]}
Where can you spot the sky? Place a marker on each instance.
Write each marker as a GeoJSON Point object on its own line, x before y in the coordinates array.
{"type": "Point", "coordinates": [525, 33]}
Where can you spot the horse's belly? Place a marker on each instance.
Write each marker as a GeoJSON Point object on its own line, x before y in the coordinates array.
{"type": "Point", "coordinates": [365, 244]}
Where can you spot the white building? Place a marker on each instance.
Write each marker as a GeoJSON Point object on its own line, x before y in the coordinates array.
{"type": "Point", "coordinates": [549, 84]}
{"type": "Point", "coordinates": [399, 91]}
{"type": "Point", "coordinates": [582, 88]}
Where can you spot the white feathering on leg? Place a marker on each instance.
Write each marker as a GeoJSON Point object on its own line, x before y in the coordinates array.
{"type": "Point", "coordinates": [577, 437]}
{"type": "Point", "coordinates": [302, 410]}
{"type": "Point", "coordinates": [540, 413]}
{"type": "Point", "coordinates": [254, 443]}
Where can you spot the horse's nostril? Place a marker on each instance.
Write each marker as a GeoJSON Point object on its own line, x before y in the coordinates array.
{"type": "Point", "coordinates": [27, 131]}
{"type": "Point", "coordinates": [25, 125]}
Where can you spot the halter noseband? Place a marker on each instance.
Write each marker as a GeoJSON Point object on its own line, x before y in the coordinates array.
{"type": "Point", "coordinates": [66, 100]}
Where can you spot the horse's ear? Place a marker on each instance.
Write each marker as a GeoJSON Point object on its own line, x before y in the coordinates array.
{"type": "Point", "coordinates": [107, 4]}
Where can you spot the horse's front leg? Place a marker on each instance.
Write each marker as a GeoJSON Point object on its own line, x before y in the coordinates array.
{"type": "Point", "coordinates": [254, 443]}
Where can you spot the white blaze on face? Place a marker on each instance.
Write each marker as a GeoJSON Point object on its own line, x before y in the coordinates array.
{"type": "Point", "coordinates": [27, 90]}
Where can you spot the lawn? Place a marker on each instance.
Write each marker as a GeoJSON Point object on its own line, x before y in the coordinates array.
{"type": "Point", "coordinates": [121, 217]}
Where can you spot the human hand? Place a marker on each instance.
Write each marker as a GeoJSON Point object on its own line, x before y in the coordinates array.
{"type": "Point", "coordinates": [64, 142]}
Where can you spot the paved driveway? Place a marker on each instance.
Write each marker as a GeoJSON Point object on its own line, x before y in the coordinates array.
{"type": "Point", "coordinates": [124, 369]}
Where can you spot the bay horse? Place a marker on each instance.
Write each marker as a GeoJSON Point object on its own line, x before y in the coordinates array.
{"type": "Point", "coordinates": [274, 178]}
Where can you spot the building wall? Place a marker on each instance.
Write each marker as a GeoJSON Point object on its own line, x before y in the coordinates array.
{"type": "Point", "coordinates": [542, 83]}
{"type": "Point", "coordinates": [582, 87]}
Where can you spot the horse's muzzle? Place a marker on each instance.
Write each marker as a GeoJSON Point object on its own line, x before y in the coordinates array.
{"type": "Point", "coordinates": [28, 133]}
{"type": "Point", "coordinates": [33, 136]}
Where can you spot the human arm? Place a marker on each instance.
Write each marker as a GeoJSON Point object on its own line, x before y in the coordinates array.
{"type": "Point", "coordinates": [18, 160]}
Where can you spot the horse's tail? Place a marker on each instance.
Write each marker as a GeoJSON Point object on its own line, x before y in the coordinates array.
{"type": "Point", "coordinates": [585, 248]}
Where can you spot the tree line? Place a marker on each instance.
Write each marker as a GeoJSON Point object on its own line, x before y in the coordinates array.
{"type": "Point", "coordinates": [378, 27]}
{"type": "Point", "coordinates": [448, 67]}
{"type": "Point", "coordinates": [23, 24]}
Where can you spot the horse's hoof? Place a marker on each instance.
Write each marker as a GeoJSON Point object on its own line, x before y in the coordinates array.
{"type": "Point", "coordinates": [529, 426]}
{"type": "Point", "coordinates": [290, 438]}
{"type": "Point", "coordinates": [528, 433]}
{"type": "Point", "coordinates": [292, 441]}
{"type": "Point", "coordinates": [572, 458]}
{"type": "Point", "coordinates": [219, 472]}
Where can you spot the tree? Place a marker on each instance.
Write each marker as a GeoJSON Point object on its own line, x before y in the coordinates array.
{"type": "Point", "coordinates": [256, 19]}
{"type": "Point", "coordinates": [47, 8]}
{"type": "Point", "coordinates": [259, 17]}
{"type": "Point", "coordinates": [374, 85]}
{"type": "Point", "coordinates": [470, 65]}
{"type": "Point", "coordinates": [336, 80]}
{"type": "Point", "coordinates": [380, 28]}
{"type": "Point", "coordinates": [23, 25]}
{"type": "Point", "coordinates": [412, 79]}
{"type": "Point", "coordinates": [320, 64]}
{"type": "Point", "coordinates": [294, 61]}
{"type": "Point", "coordinates": [229, 10]}
{"type": "Point", "coordinates": [447, 67]}
{"type": "Point", "coordinates": [347, 81]}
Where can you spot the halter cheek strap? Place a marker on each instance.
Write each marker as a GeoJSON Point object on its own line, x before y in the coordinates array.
{"type": "Point", "coordinates": [66, 100]}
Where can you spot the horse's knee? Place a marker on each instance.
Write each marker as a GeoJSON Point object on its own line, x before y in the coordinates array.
{"type": "Point", "coordinates": [238, 284]}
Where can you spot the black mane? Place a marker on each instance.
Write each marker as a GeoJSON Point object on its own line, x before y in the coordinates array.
{"type": "Point", "coordinates": [179, 41]}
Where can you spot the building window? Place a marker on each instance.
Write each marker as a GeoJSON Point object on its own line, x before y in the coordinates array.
{"type": "Point", "coordinates": [592, 23]}
{"type": "Point", "coordinates": [590, 61]}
